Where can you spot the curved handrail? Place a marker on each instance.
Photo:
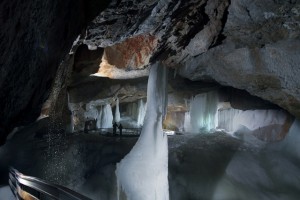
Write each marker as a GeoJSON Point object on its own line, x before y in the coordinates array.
{"type": "Point", "coordinates": [32, 187]}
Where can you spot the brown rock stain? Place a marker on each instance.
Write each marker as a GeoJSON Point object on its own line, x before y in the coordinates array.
{"type": "Point", "coordinates": [133, 53]}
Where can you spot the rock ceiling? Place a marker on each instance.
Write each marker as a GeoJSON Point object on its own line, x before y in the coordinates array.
{"type": "Point", "coordinates": [250, 45]}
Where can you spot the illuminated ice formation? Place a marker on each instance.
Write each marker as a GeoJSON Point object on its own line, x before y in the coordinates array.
{"type": "Point", "coordinates": [99, 118]}
{"type": "Point", "coordinates": [202, 114]}
{"type": "Point", "coordinates": [255, 119]}
{"type": "Point", "coordinates": [117, 112]}
{"type": "Point", "coordinates": [106, 117]}
{"type": "Point", "coordinates": [143, 173]}
{"type": "Point", "coordinates": [141, 113]}
{"type": "Point", "coordinates": [136, 111]}
{"type": "Point", "coordinates": [226, 117]}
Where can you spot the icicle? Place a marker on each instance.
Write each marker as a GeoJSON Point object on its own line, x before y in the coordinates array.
{"type": "Point", "coordinates": [143, 173]}
{"type": "Point", "coordinates": [255, 119]}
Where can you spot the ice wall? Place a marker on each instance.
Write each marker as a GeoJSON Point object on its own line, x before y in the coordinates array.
{"type": "Point", "coordinates": [143, 173]}
{"type": "Point", "coordinates": [117, 112]}
{"type": "Point", "coordinates": [187, 123]}
{"type": "Point", "coordinates": [226, 117]}
{"type": "Point", "coordinates": [202, 114]}
{"type": "Point", "coordinates": [132, 110]}
{"type": "Point", "coordinates": [255, 119]}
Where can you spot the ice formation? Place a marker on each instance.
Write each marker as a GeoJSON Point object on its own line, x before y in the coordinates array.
{"type": "Point", "coordinates": [131, 110]}
{"type": "Point", "coordinates": [187, 123]}
{"type": "Point", "coordinates": [202, 114]}
{"type": "Point", "coordinates": [99, 118]}
{"type": "Point", "coordinates": [117, 112]}
{"type": "Point", "coordinates": [225, 119]}
{"type": "Point", "coordinates": [136, 111]}
{"type": "Point", "coordinates": [141, 113]}
{"type": "Point", "coordinates": [255, 119]}
{"type": "Point", "coordinates": [106, 117]}
{"type": "Point", "coordinates": [143, 173]}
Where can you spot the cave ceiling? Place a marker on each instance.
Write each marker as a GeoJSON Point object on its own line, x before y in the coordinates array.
{"type": "Point", "coordinates": [250, 45]}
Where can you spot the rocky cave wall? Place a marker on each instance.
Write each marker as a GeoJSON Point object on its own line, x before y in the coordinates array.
{"type": "Point", "coordinates": [35, 36]}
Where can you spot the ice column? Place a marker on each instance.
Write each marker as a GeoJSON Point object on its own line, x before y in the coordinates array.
{"type": "Point", "coordinates": [143, 173]}
{"type": "Point", "coordinates": [117, 112]}
{"type": "Point", "coordinates": [99, 118]}
{"type": "Point", "coordinates": [187, 122]}
{"type": "Point", "coordinates": [141, 112]}
{"type": "Point", "coordinates": [107, 117]}
{"type": "Point", "coordinates": [203, 113]}
{"type": "Point", "coordinates": [256, 119]}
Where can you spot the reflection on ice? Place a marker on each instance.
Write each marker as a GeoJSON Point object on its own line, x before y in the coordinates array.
{"type": "Point", "coordinates": [272, 172]}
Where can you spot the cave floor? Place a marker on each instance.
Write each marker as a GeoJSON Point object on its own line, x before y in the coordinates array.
{"type": "Point", "coordinates": [213, 166]}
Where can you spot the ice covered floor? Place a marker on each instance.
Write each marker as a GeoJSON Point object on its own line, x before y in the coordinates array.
{"type": "Point", "coordinates": [201, 167]}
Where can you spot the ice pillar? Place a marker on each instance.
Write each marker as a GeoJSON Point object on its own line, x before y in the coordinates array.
{"type": "Point", "coordinates": [117, 112]}
{"type": "Point", "coordinates": [99, 118]}
{"type": "Point", "coordinates": [203, 113]}
{"type": "Point", "coordinates": [143, 173]}
{"type": "Point", "coordinates": [141, 112]}
{"type": "Point", "coordinates": [106, 117]}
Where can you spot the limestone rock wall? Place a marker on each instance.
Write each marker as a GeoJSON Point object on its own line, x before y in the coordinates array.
{"type": "Point", "coordinates": [35, 36]}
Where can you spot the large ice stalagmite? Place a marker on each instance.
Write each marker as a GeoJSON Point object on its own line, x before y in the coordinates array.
{"type": "Point", "coordinates": [117, 112]}
{"type": "Point", "coordinates": [143, 173]}
{"type": "Point", "coordinates": [187, 123]}
{"type": "Point", "coordinates": [91, 112]}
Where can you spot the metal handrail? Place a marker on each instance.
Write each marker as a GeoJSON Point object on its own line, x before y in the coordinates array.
{"type": "Point", "coordinates": [28, 187]}
{"type": "Point", "coordinates": [135, 131]}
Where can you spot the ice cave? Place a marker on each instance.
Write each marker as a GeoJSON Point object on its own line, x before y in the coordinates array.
{"type": "Point", "coordinates": [150, 100]}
